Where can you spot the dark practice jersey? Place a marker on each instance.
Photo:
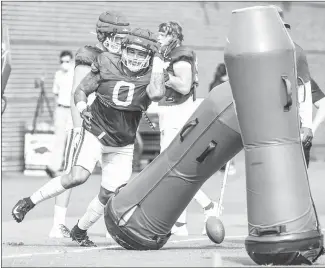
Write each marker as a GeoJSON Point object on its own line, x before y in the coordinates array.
{"type": "Point", "coordinates": [180, 53]}
{"type": "Point", "coordinates": [120, 100]}
{"type": "Point", "coordinates": [316, 93]}
{"type": "Point", "coordinates": [302, 65]}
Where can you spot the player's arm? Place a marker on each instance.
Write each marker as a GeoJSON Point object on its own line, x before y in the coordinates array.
{"type": "Point", "coordinates": [156, 89]}
{"type": "Point", "coordinates": [320, 114]}
{"type": "Point", "coordinates": [80, 73]}
{"type": "Point", "coordinates": [182, 80]}
{"type": "Point", "coordinates": [306, 113]}
{"type": "Point", "coordinates": [87, 86]}
{"type": "Point", "coordinates": [318, 97]}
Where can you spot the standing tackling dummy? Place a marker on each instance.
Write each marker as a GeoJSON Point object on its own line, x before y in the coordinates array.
{"type": "Point", "coordinates": [5, 63]}
{"type": "Point", "coordinates": [111, 29]}
{"type": "Point", "coordinates": [141, 214]}
{"type": "Point", "coordinates": [178, 104]}
{"type": "Point", "coordinates": [261, 65]}
{"type": "Point", "coordinates": [124, 89]}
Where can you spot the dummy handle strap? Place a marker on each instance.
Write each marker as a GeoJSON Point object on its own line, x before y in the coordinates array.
{"type": "Point", "coordinates": [288, 89]}
{"type": "Point", "coordinates": [212, 145]}
{"type": "Point", "coordinates": [274, 230]}
{"type": "Point", "coordinates": [187, 128]}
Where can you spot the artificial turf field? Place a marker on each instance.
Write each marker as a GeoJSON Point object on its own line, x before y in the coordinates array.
{"type": "Point", "coordinates": [27, 243]}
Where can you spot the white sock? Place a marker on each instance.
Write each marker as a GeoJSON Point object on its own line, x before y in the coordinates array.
{"type": "Point", "coordinates": [182, 217]}
{"type": "Point", "coordinates": [202, 199]}
{"type": "Point", "coordinates": [59, 215]}
{"type": "Point", "coordinates": [94, 211]}
{"type": "Point", "coordinates": [50, 189]}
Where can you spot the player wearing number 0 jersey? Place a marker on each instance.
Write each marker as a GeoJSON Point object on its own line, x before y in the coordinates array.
{"type": "Point", "coordinates": [111, 29]}
{"type": "Point", "coordinates": [124, 88]}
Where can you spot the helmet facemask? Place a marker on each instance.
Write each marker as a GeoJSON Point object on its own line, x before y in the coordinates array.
{"type": "Point", "coordinates": [113, 43]}
{"type": "Point", "coordinates": [135, 58]}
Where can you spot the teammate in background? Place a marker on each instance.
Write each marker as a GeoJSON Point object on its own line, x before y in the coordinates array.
{"type": "Point", "coordinates": [111, 28]}
{"type": "Point", "coordinates": [304, 95]}
{"type": "Point", "coordinates": [124, 88]}
{"type": "Point", "coordinates": [62, 87]}
{"type": "Point", "coordinates": [219, 78]}
{"type": "Point", "coordinates": [318, 98]}
{"type": "Point", "coordinates": [178, 103]}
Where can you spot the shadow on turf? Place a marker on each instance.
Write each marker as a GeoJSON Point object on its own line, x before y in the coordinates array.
{"type": "Point", "coordinates": [240, 260]}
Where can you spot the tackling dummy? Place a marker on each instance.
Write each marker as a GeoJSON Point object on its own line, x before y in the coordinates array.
{"type": "Point", "coordinates": [260, 59]}
{"type": "Point", "coordinates": [5, 63]}
{"type": "Point", "coordinates": [141, 214]}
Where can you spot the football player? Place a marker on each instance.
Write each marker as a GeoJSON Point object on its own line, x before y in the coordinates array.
{"type": "Point", "coordinates": [178, 103]}
{"type": "Point", "coordinates": [318, 99]}
{"type": "Point", "coordinates": [111, 28]}
{"type": "Point", "coordinates": [124, 88]}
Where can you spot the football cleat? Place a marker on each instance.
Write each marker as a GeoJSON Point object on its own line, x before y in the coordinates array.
{"type": "Point", "coordinates": [108, 236]}
{"type": "Point", "coordinates": [179, 230]}
{"type": "Point", "coordinates": [232, 170]}
{"type": "Point", "coordinates": [57, 232]}
{"type": "Point", "coordinates": [80, 237]}
{"type": "Point", "coordinates": [20, 210]}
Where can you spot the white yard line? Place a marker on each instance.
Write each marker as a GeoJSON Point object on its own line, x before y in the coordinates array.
{"type": "Point", "coordinates": [81, 250]}
{"type": "Point", "coordinates": [57, 252]}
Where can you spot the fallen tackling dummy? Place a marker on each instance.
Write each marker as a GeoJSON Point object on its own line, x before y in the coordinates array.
{"type": "Point", "coordinates": [141, 214]}
{"type": "Point", "coordinates": [260, 59]}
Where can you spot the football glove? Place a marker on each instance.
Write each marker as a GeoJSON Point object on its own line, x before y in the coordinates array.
{"type": "Point", "coordinates": [87, 116]}
{"type": "Point", "coordinates": [306, 136]}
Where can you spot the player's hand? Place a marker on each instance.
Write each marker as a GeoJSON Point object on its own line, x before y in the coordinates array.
{"type": "Point", "coordinates": [157, 52]}
{"type": "Point", "coordinates": [87, 116]}
{"type": "Point", "coordinates": [306, 135]}
{"type": "Point", "coordinates": [159, 55]}
{"type": "Point", "coordinates": [173, 43]}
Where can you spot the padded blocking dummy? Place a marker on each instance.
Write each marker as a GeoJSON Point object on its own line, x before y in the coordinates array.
{"type": "Point", "coordinates": [142, 213]}
{"type": "Point", "coordinates": [5, 58]}
{"type": "Point", "coordinates": [260, 60]}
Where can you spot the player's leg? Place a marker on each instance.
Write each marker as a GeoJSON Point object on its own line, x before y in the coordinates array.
{"type": "Point", "coordinates": [167, 118]}
{"type": "Point", "coordinates": [166, 137]}
{"type": "Point", "coordinates": [307, 150]}
{"type": "Point", "coordinates": [116, 171]}
{"type": "Point", "coordinates": [84, 162]}
{"type": "Point", "coordinates": [209, 207]}
{"type": "Point", "coordinates": [62, 200]}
